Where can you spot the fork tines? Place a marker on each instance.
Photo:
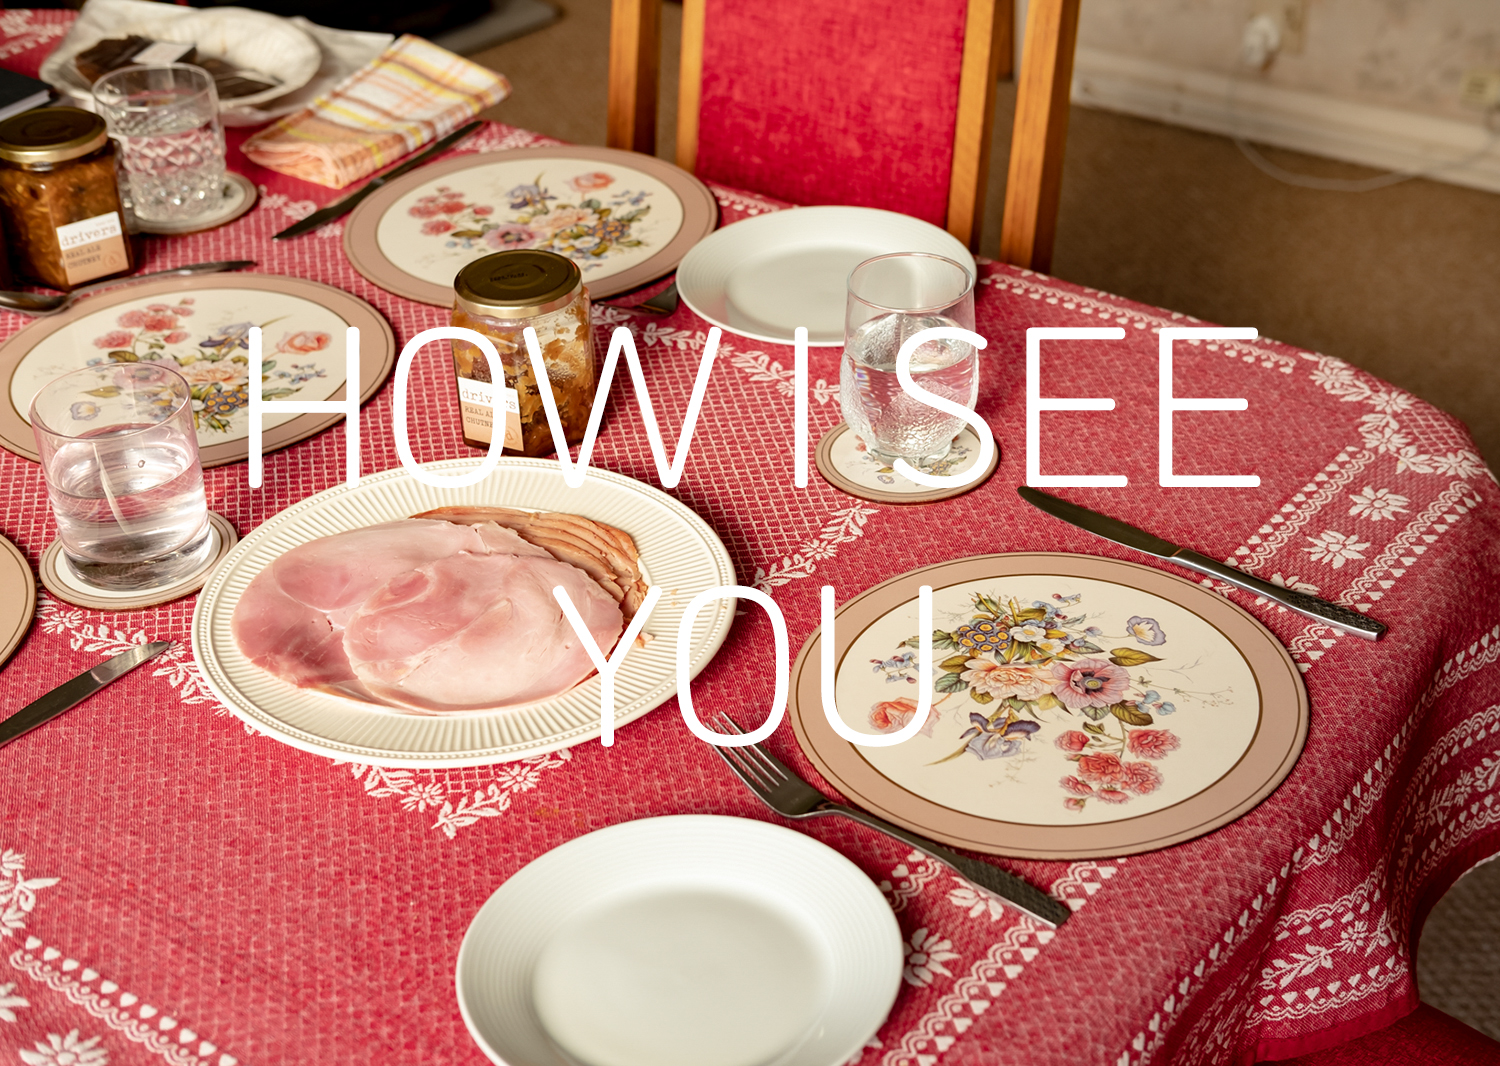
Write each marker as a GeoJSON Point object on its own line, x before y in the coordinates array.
{"type": "Point", "coordinates": [757, 767]}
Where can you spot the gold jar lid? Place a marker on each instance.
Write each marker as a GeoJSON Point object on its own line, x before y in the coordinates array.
{"type": "Point", "coordinates": [51, 135]}
{"type": "Point", "coordinates": [522, 283]}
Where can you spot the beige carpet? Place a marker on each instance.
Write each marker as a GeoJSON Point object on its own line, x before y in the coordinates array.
{"type": "Point", "coordinates": [1399, 281]}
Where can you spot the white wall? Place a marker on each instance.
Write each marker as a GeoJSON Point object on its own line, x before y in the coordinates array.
{"type": "Point", "coordinates": [1377, 82]}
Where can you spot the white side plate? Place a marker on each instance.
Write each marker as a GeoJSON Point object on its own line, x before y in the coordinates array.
{"type": "Point", "coordinates": [762, 277]}
{"type": "Point", "coordinates": [690, 940]}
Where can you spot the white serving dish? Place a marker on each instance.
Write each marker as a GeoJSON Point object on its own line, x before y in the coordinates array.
{"type": "Point", "coordinates": [251, 40]}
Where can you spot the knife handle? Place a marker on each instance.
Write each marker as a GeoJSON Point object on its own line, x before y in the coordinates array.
{"type": "Point", "coordinates": [1025, 897]}
{"type": "Point", "coordinates": [1319, 610]}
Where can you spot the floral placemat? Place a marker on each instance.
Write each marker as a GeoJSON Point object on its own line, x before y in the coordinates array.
{"type": "Point", "coordinates": [201, 330]}
{"type": "Point", "coordinates": [1075, 703]}
{"type": "Point", "coordinates": [624, 218]}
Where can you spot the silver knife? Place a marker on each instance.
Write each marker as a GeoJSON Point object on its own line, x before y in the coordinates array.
{"type": "Point", "coordinates": [350, 202]}
{"type": "Point", "coordinates": [71, 693]}
{"type": "Point", "coordinates": [1319, 610]}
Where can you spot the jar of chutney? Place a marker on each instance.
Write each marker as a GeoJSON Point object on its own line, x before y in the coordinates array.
{"type": "Point", "coordinates": [499, 296]}
{"type": "Point", "coordinates": [60, 198]}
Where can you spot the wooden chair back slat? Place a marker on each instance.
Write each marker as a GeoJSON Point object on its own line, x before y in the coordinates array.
{"type": "Point", "coordinates": [1038, 135]}
{"type": "Point", "coordinates": [988, 47]}
{"type": "Point", "coordinates": [1037, 139]}
{"type": "Point", "coordinates": [634, 58]}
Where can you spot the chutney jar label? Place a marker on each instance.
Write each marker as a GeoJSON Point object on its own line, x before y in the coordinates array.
{"type": "Point", "coordinates": [93, 248]}
{"type": "Point", "coordinates": [476, 401]}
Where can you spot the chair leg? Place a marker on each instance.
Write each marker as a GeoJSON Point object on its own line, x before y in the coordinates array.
{"type": "Point", "coordinates": [986, 58]}
{"type": "Point", "coordinates": [690, 84]}
{"type": "Point", "coordinates": [1040, 133]}
{"type": "Point", "coordinates": [634, 59]}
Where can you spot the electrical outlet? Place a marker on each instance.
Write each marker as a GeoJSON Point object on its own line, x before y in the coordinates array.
{"type": "Point", "coordinates": [1290, 17]}
{"type": "Point", "coordinates": [1480, 89]}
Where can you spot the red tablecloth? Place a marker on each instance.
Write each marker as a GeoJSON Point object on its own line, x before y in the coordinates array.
{"type": "Point", "coordinates": [175, 888]}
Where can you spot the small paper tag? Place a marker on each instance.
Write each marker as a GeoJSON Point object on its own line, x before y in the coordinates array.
{"type": "Point", "coordinates": [161, 52]}
{"type": "Point", "coordinates": [477, 406]}
{"type": "Point", "coordinates": [92, 248]}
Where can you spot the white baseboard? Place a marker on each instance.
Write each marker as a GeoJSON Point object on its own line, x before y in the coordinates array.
{"type": "Point", "coordinates": [1383, 137]}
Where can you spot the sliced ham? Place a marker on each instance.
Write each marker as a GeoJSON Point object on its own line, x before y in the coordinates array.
{"type": "Point", "coordinates": [471, 631]}
{"type": "Point", "coordinates": [430, 615]}
{"type": "Point", "coordinates": [607, 554]}
{"type": "Point", "coordinates": [288, 620]}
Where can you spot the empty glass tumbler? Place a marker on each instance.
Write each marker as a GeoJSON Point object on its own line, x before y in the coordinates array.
{"type": "Point", "coordinates": [165, 120]}
{"type": "Point", "coordinates": [120, 457]}
{"type": "Point", "coordinates": [891, 298]}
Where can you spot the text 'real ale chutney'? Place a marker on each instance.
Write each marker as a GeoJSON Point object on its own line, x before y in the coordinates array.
{"type": "Point", "coordinates": [499, 296]}
{"type": "Point", "coordinates": [60, 198]}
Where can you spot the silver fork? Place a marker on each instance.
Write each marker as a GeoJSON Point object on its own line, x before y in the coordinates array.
{"type": "Point", "coordinates": [779, 788]}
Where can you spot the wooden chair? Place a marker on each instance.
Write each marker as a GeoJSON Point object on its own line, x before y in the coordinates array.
{"type": "Point", "coordinates": [758, 110]}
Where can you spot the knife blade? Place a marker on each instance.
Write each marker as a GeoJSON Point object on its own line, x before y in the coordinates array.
{"type": "Point", "coordinates": [71, 693]}
{"type": "Point", "coordinates": [349, 203]}
{"type": "Point", "coordinates": [1332, 614]}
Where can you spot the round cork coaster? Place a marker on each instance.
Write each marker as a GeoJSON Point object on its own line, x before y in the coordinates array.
{"type": "Point", "coordinates": [60, 579]}
{"type": "Point", "coordinates": [846, 465]}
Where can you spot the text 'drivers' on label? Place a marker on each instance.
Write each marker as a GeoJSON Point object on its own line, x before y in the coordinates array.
{"type": "Point", "coordinates": [477, 405]}
{"type": "Point", "coordinates": [92, 248]}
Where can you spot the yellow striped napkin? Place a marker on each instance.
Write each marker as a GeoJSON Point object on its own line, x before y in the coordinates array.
{"type": "Point", "coordinates": [412, 93]}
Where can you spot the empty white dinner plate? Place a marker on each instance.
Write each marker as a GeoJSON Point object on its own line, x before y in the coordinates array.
{"type": "Point", "coordinates": [690, 940]}
{"type": "Point", "coordinates": [764, 276]}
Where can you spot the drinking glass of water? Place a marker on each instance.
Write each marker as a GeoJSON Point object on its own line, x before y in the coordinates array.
{"type": "Point", "coordinates": [120, 457]}
{"type": "Point", "coordinates": [165, 120]}
{"type": "Point", "coordinates": [892, 297]}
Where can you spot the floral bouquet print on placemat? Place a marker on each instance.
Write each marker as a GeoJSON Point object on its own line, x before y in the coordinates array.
{"type": "Point", "coordinates": [587, 223]}
{"type": "Point", "coordinates": [214, 361]}
{"type": "Point", "coordinates": [608, 218]}
{"type": "Point", "coordinates": [1020, 675]}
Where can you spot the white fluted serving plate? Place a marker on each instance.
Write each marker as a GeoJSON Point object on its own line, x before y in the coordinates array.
{"type": "Point", "coordinates": [679, 552]}
{"type": "Point", "coordinates": [686, 940]}
{"type": "Point", "coordinates": [764, 276]}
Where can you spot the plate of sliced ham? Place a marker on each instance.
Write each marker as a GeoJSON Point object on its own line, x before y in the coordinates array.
{"type": "Point", "coordinates": [395, 623]}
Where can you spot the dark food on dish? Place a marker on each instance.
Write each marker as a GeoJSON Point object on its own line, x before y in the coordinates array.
{"type": "Point", "coordinates": [113, 53]}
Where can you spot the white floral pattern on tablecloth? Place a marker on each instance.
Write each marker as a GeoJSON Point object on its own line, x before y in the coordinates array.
{"type": "Point", "coordinates": [69, 1050]}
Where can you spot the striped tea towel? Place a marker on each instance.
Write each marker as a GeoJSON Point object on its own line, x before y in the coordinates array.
{"type": "Point", "coordinates": [412, 93]}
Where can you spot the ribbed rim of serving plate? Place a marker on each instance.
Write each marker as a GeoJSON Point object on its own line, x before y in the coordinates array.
{"type": "Point", "coordinates": [825, 889]}
{"type": "Point", "coordinates": [679, 552]}
{"type": "Point", "coordinates": [705, 269]}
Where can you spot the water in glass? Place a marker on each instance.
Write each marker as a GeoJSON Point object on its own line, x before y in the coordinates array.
{"type": "Point", "coordinates": [889, 421]}
{"type": "Point", "coordinates": [175, 168]}
{"type": "Point", "coordinates": [165, 120]}
{"type": "Point", "coordinates": [119, 453]}
{"type": "Point", "coordinates": [127, 493]}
